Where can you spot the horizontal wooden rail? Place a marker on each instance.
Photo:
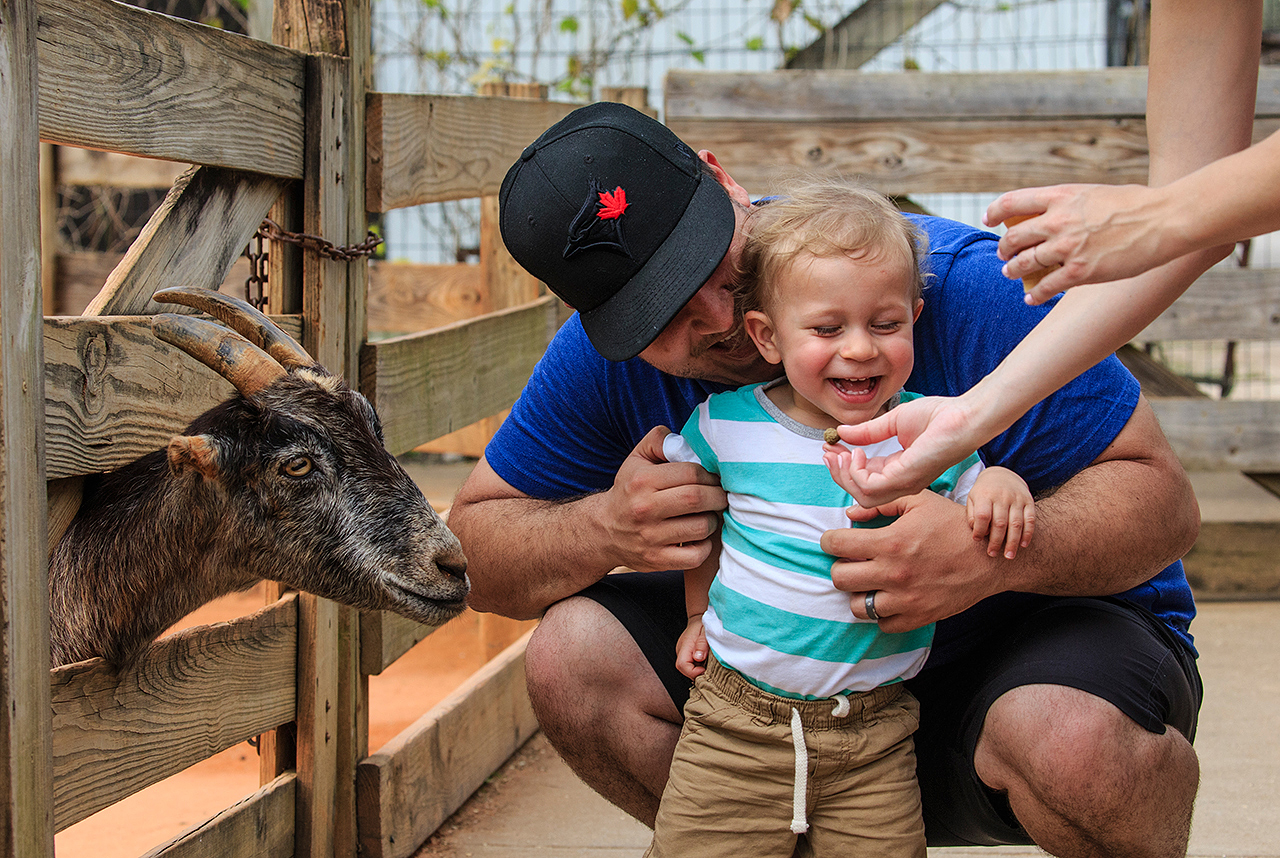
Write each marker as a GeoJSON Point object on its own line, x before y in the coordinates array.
{"type": "Point", "coordinates": [192, 695]}
{"type": "Point", "coordinates": [429, 384]}
{"type": "Point", "coordinates": [822, 96]}
{"type": "Point", "coordinates": [1222, 435]}
{"type": "Point", "coordinates": [260, 825]}
{"type": "Point", "coordinates": [113, 392]}
{"type": "Point", "coordinates": [1224, 304]}
{"type": "Point", "coordinates": [428, 148]}
{"type": "Point", "coordinates": [926, 133]}
{"type": "Point", "coordinates": [406, 789]}
{"type": "Point", "coordinates": [111, 76]}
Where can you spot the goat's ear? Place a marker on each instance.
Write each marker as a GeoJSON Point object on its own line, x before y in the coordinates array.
{"type": "Point", "coordinates": [193, 451]}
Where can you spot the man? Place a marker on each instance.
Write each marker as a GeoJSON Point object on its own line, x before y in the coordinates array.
{"type": "Point", "coordinates": [1043, 715]}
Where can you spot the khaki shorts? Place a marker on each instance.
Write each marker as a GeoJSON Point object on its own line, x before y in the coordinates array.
{"type": "Point", "coordinates": [731, 790]}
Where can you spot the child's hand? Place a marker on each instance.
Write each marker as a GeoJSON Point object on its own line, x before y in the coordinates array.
{"type": "Point", "coordinates": [691, 649]}
{"type": "Point", "coordinates": [1002, 511]}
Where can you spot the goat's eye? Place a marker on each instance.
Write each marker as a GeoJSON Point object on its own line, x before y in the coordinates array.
{"type": "Point", "coordinates": [298, 466]}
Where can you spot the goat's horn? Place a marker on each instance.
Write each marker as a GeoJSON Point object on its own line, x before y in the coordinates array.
{"type": "Point", "coordinates": [243, 317]}
{"type": "Point", "coordinates": [225, 352]}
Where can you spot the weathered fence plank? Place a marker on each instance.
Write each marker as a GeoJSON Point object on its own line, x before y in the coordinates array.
{"type": "Point", "coordinates": [192, 239]}
{"type": "Point", "coordinates": [822, 96]}
{"type": "Point", "coordinates": [405, 790]}
{"type": "Point", "coordinates": [260, 825]}
{"type": "Point", "coordinates": [76, 166]}
{"type": "Point", "coordinates": [113, 392]}
{"type": "Point", "coordinates": [920, 156]}
{"type": "Point", "coordinates": [1222, 435]}
{"type": "Point", "coordinates": [427, 148]}
{"type": "Point", "coordinates": [26, 819]}
{"type": "Point", "coordinates": [112, 75]}
{"type": "Point", "coordinates": [192, 695]}
{"type": "Point", "coordinates": [405, 297]}
{"type": "Point", "coordinates": [926, 133]}
{"type": "Point", "coordinates": [1224, 304]}
{"type": "Point", "coordinates": [428, 384]}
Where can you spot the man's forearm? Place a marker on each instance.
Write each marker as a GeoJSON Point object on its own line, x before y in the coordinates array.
{"type": "Point", "coordinates": [524, 554]}
{"type": "Point", "coordinates": [1115, 524]}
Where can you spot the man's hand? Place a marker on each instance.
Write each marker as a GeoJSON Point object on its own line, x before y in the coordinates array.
{"type": "Point", "coordinates": [923, 567]}
{"type": "Point", "coordinates": [660, 514]}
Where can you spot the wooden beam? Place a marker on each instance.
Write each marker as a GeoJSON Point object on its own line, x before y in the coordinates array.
{"type": "Point", "coordinates": [916, 133]}
{"type": "Point", "coordinates": [406, 297]}
{"type": "Point", "coordinates": [260, 825]}
{"type": "Point", "coordinates": [823, 96]}
{"type": "Point", "coordinates": [192, 239]}
{"type": "Point", "coordinates": [192, 695]}
{"type": "Point", "coordinates": [26, 819]}
{"type": "Point", "coordinates": [1222, 435]}
{"type": "Point", "coordinates": [326, 643]}
{"type": "Point", "coordinates": [111, 74]}
{"type": "Point", "coordinates": [426, 385]}
{"type": "Point", "coordinates": [913, 157]}
{"type": "Point", "coordinates": [406, 789]}
{"type": "Point", "coordinates": [1224, 304]}
{"type": "Point", "coordinates": [112, 170]}
{"type": "Point", "coordinates": [863, 33]}
{"type": "Point", "coordinates": [428, 148]}
{"type": "Point", "coordinates": [113, 392]}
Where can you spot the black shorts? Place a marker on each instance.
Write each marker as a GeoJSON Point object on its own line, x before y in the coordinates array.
{"type": "Point", "coordinates": [1106, 647]}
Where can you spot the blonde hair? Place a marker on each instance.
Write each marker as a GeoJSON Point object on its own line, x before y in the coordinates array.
{"type": "Point", "coordinates": [824, 218]}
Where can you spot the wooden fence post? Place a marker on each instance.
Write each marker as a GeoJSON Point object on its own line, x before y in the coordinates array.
{"type": "Point", "coordinates": [26, 773]}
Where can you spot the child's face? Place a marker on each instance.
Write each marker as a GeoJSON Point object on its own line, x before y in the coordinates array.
{"type": "Point", "coordinates": [841, 328]}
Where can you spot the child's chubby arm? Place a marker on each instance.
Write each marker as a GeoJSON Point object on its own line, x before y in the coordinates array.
{"type": "Point", "coordinates": [1001, 509]}
{"type": "Point", "coordinates": [691, 650]}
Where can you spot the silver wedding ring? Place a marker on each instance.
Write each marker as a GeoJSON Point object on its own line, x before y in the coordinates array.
{"type": "Point", "coordinates": [870, 602]}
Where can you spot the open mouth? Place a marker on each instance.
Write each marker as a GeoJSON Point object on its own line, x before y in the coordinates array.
{"type": "Point", "coordinates": [856, 389]}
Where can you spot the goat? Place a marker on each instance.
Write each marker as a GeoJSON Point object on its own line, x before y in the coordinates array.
{"type": "Point", "coordinates": [289, 480]}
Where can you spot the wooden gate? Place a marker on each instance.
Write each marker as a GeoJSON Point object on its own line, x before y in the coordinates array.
{"type": "Point", "coordinates": [287, 128]}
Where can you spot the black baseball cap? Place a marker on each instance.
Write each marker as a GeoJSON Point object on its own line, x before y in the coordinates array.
{"type": "Point", "coordinates": [615, 214]}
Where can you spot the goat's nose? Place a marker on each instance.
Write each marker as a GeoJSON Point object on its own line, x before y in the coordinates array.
{"type": "Point", "coordinates": [453, 564]}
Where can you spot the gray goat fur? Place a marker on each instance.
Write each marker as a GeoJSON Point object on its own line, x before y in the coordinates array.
{"type": "Point", "coordinates": [290, 483]}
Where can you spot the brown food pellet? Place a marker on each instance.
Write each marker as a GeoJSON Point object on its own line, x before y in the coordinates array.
{"type": "Point", "coordinates": [830, 435]}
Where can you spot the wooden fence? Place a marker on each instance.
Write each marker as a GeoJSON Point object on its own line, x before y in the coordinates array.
{"type": "Point", "coordinates": [287, 128]}
{"type": "Point", "coordinates": [917, 132]}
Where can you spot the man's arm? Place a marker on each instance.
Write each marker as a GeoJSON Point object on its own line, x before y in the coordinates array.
{"type": "Point", "coordinates": [523, 554]}
{"type": "Point", "coordinates": [1112, 526]}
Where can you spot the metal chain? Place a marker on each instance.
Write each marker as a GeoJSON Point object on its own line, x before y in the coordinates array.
{"type": "Point", "coordinates": [338, 252]}
{"type": "Point", "coordinates": [269, 230]}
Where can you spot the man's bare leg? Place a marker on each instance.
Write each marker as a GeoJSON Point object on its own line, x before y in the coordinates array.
{"type": "Point", "coordinates": [601, 705]}
{"type": "Point", "coordinates": [1084, 779]}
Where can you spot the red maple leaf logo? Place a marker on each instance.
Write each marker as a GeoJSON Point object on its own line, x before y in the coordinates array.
{"type": "Point", "coordinates": [612, 205]}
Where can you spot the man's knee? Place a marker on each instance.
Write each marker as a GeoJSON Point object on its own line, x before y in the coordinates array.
{"type": "Point", "coordinates": [1063, 742]}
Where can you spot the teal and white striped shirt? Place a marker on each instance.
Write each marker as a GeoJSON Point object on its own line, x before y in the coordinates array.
{"type": "Point", "coordinates": [774, 615]}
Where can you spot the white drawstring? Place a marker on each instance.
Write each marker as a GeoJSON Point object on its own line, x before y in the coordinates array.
{"type": "Point", "coordinates": [799, 817]}
{"type": "Point", "coordinates": [799, 825]}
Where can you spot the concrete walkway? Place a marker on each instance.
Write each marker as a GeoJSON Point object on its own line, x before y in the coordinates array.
{"type": "Point", "coordinates": [536, 807]}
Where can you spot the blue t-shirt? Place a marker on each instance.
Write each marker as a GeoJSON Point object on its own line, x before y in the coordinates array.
{"type": "Point", "coordinates": [581, 415]}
